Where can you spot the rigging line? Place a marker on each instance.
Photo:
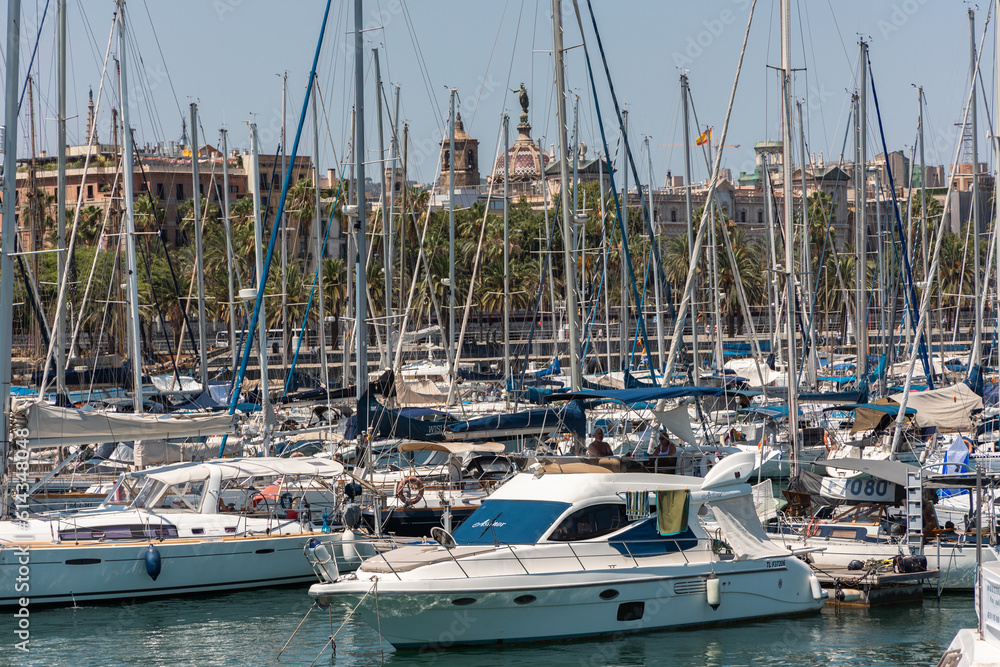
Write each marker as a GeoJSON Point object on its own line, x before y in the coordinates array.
{"type": "Point", "coordinates": [61, 293]}
{"type": "Point", "coordinates": [31, 62]}
{"type": "Point", "coordinates": [622, 221]}
{"type": "Point", "coordinates": [493, 49]}
{"type": "Point", "coordinates": [421, 63]}
{"type": "Point", "coordinates": [159, 48]}
{"type": "Point", "coordinates": [259, 301]}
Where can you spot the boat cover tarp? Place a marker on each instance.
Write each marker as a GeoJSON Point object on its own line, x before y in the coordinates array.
{"type": "Point", "coordinates": [945, 408]}
{"type": "Point", "coordinates": [50, 426]}
{"type": "Point", "coordinates": [678, 422]}
{"type": "Point", "coordinates": [161, 452]}
{"type": "Point", "coordinates": [417, 393]}
{"type": "Point", "coordinates": [203, 400]}
{"type": "Point", "coordinates": [644, 395]}
{"type": "Point", "coordinates": [568, 418]}
{"type": "Point", "coordinates": [243, 467]}
{"type": "Point", "coordinates": [741, 528]}
{"type": "Point", "coordinates": [869, 416]}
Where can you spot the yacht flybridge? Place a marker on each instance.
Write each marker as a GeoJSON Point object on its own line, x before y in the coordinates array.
{"type": "Point", "coordinates": [552, 555]}
{"type": "Point", "coordinates": [192, 527]}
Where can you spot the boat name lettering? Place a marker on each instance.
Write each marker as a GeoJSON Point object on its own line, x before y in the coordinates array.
{"type": "Point", "coordinates": [775, 564]}
{"type": "Point", "coordinates": [489, 524]}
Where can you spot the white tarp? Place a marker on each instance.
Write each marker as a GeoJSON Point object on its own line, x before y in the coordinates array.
{"type": "Point", "coordinates": [947, 408]}
{"type": "Point", "coordinates": [256, 467]}
{"type": "Point", "coordinates": [748, 368]}
{"type": "Point", "coordinates": [424, 392]}
{"type": "Point", "coordinates": [161, 452]}
{"type": "Point", "coordinates": [741, 529]}
{"type": "Point", "coordinates": [50, 426]}
{"type": "Point", "coordinates": [678, 422]}
{"type": "Point", "coordinates": [170, 382]}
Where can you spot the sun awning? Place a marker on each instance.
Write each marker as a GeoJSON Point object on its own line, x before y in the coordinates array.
{"type": "Point", "coordinates": [245, 467]}
{"type": "Point", "coordinates": [451, 447]}
{"type": "Point", "coordinates": [891, 471]}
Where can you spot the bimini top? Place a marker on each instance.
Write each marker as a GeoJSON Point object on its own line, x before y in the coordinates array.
{"type": "Point", "coordinates": [731, 473]}
{"type": "Point", "coordinates": [179, 473]}
{"type": "Point", "coordinates": [451, 447]}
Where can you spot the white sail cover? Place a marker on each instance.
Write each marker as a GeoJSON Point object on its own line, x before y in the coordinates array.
{"type": "Point", "coordinates": [741, 529]}
{"type": "Point", "coordinates": [756, 376]}
{"type": "Point", "coordinates": [948, 408]}
{"type": "Point", "coordinates": [678, 422]}
{"type": "Point", "coordinates": [50, 426]}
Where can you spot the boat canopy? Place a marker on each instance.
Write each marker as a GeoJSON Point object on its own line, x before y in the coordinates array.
{"type": "Point", "coordinates": [244, 467]}
{"type": "Point", "coordinates": [891, 471]}
{"type": "Point", "coordinates": [451, 447]}
{"type": "Point", "coordinates": [51, 426]}
{"type": "Point", "coordinates": [948, 408]}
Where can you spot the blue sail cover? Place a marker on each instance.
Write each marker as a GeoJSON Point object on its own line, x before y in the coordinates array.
{"type": "Point", "coordinates": [571, 417]}
{"type": "Point", "coordinates": [644, 395]}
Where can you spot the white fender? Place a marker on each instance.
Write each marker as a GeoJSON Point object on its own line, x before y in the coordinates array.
{"type": "Point", "coordinates": [713, 591]}
{"type": "Point", "coordinates": [348, 549]}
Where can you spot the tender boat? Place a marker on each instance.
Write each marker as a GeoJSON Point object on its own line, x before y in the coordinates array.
{"type": "Point", "coordinates": [183, 528]}
{"type": "Point", "coordinates": [580, 553]}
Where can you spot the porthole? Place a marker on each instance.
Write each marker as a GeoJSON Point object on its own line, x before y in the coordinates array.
{"type": "Point", "coordinates": [609, 594]}
{"type": "Point", "coordinates": [463, 602]}
{"type": "Point", "coordinates": [631, 611]}
{"type": "Point", "coordinates": [524, 599]}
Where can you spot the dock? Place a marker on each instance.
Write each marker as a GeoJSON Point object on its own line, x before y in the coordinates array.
{"type": "Point", "coordinates": [871, 588]}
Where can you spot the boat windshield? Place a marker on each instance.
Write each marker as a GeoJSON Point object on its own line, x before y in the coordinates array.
{"type": "Point", "coordinates": [509, 522]}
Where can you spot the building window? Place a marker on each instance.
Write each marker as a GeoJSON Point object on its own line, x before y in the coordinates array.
{"type": "Point", "coordinates": [159, 191]}
{"type": "Point", "coordinates": [472, 160]}
{"type": "Point", "coordinates": [90, 192]}
{"type": "Point", "coordinates": [78, 192]}
{"type": "Point", "coordinates": [760, 217]}
{"type": "Point", "coordinates": [234, 189]}
{"type": "Point", "coordinates": [180, 191]}
{"type": "Point", "coordinates": [673, 215]}
{"type": "Point", "coordinates": [743, 216]}
{"type": "Point", "coordinates": [447, 160]}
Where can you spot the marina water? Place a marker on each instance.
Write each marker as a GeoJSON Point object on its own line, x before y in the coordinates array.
{"type": "Point", "coordinates": [249, 628]}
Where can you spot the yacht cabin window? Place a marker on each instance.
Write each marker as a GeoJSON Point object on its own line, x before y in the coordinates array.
{"type": "Point", "coordinates": [590, 522]}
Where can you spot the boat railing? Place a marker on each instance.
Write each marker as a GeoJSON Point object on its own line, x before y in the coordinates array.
{"type": "Point", "coordinates": [633, 551]}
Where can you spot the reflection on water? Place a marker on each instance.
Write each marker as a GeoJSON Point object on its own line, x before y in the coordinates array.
{"type": "Point", "coordinates": [250, 628]}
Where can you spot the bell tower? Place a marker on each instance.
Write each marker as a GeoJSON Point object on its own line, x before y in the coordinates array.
{"type": "Point", "coordinates": [467, 158]}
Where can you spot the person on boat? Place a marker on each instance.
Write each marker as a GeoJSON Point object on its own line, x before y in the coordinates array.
{"type": "Point", "coordinates": [664, 457]}
{"type": "Point", "coordinates": [598, 447]}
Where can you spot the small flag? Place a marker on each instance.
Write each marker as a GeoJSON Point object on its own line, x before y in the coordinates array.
{"type": "Point", "coordinates": [704, 137]}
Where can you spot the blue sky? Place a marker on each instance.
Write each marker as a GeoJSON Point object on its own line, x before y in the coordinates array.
{"type": "Point", "coordinates": [228, 56]}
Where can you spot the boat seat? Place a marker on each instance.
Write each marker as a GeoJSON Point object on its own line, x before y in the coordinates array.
{"type": "Point", "coordinates": [799, 503]}
{"type": "Point", "coordinates": [432, 554]}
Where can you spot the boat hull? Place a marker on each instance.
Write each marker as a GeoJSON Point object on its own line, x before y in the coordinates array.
{"type": "Point", "coordinates": [69, 573]}
{"type": "Point", "coordinates": [439, 614]}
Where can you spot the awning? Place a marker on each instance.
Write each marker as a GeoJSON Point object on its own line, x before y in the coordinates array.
{"type": "Point", "coordinates": [892, 471]}
{"type": "Point", "coordinates": [451, 447]}
{"type": "Point", "coordinates": [644, 395]}
{"type": "Point", "coordinates": [245, 467]}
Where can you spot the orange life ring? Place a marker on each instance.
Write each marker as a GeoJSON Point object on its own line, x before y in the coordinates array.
{"type": "Point", "coordinates": [410, 491]}
{"type": "Point", "coordinates": [828, 441]}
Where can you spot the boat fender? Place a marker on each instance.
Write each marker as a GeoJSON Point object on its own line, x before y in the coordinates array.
{"type": "Point", "coordinates": [713, 591]}
{"type": "Point", "coordinates": [153, 562]}
{"type": "Point", "coordinates": [410, 491]}
{"type": "Point", "coordinates": [815, 588]}
{"type": "Point", "coordinates": [351, 515]}
{"type": "Point", "coordinates": [848, 595]}
{"type": "Point", "coordinates": [855, 565]}
{"type": "Point", "coordinates": [322, 560]}
{"type": "Point", "coordinates": [347, 546]}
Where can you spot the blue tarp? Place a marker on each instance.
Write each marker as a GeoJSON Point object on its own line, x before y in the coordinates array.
{"type": "Point", "coordinates": [640, 395]}
{"type": "Point", "coordinates": [571, 416]}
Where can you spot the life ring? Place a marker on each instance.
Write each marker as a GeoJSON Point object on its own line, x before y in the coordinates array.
{"type": "Point", "coordinates": [813, 528]}
{"type": "Point", "coordinates": [410, 491]}
{"type": "Point", "coordinates": [828, 441]}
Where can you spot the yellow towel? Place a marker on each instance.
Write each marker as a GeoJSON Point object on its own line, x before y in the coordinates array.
{"type": "Point", "coordinates": [672, 511]}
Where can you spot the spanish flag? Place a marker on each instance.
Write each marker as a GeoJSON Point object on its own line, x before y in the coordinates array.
{"type": "Point", "coordinates": [704, 137]}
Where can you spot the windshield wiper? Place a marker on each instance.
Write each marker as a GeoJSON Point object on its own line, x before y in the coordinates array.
{"type": "Point", "coordinates": [489, 526]}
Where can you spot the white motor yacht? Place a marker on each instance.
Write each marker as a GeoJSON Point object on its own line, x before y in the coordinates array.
{"type": "Point", "coordinates": [177, 529]}
{"type": "Point", "coordinates": [577, 554]}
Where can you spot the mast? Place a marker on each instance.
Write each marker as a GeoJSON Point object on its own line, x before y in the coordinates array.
{"type": "Point", "coordinates": [861, 225]}
{"type": "Point", "coordinates": [811, 370]}
{"type": "Point", "coordinates": [604, 268]}
{"type": "Point", "coordinates": [660, 340]}
{"type": "Point", "coordinates": [623, 343]}
{"type": "Point", "coordinates": [557, 40]}
{"type": "Point", "coordinates": [199, 255]}
{"type": "Point", "coordinates": [996, 139]}
{"type": "Point", "coordinates": [284, 239]}
{"type": "Point", "coordinates": [351, 253]}
{"type": "Point", "coordinates": [977, 339]}
{"type": "Point", "coordinates": [319, 250]}
{"type": "Point", "coordinates": [506, 249]}
{"type": "Point", "coordinates": [360, 276]}
{"type": "Point", "coordinates": [786, 167]}
{"type": "Point", "coordinates": [9, 222]}
{"type": "Point", "coordinates": [390, 232]}
{"type": "Point", "coordinates": [229, 246]}
{"type": "Point", "coordinates": [135, 344]}
{"type": "Point", "coordinates": [689, 211]}
{"type": "Point", "coordinates": [923, 214]}
{"type": "Point", "coordinates": [60, 359]}
{"type": "Point", "coordinates": [258, 238]}
{"type": "Point", "coordinates": [386, 220]}
{"type": "Point", "coordinates": [548, 255]}
{"type": "Point", "coordinates": [452, 333]}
